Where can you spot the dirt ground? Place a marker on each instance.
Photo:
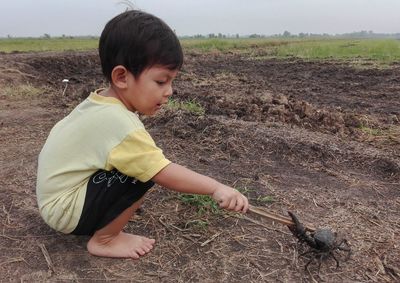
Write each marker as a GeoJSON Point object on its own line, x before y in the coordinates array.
{"type": "Point", "coordinates": [321, 139]}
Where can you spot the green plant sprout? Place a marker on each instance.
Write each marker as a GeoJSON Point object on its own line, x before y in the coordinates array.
{"type": "Point", "coordinates": [190, 106]}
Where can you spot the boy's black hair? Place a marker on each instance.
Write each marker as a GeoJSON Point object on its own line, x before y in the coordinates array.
{"type": "Point", "coordinates": [138, 40]}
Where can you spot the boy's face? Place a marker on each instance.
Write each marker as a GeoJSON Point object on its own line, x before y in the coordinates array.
{"type": "Point", "coordinates": [150, 90]}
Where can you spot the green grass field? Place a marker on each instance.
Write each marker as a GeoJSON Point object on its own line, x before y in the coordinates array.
{"type": "Point", "coordinates": [47, 44]}
{"type": "Point", "coordinates": [385, 51]}
{"type": "Point", "coordinates": [379, 50]}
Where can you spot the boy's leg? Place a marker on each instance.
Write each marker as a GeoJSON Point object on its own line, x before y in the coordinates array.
{"type": "Point", "coordinates": [110, 241]}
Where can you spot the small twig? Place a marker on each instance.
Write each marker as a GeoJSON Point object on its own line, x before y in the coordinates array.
{"type": "Point", "coordinates": [11, 70]}
{"type": "Point", "coordinates": [259, 267]}
{"type": "Point", "coordinates": [114, 273]}
{"type": "Point", "coordinates": [10, 238]}
{"type": "Point", "coordinates": [168, 227]}
{"type": "Point", "coordinates": [177, 228]}
{"type": "Point", "coordinates": [280, 245]}
{"type": "Point", "coordinates": [29, 236]}
{"type": "Point", "coordinates": [189, 238]}
{"type": "Point", "coordinates": [164, 224]}
{"type": "Point", "coordinates": [312, 277]}
{"type": "Point", "coordinates": [272, 272]}
{"type": "Point", "coordinates": [370, 220]}
{"type": "Point", "coordinates": [295, 261]}
{"type": "Point", "coordinates": [8, 212]}
{"type": "Point", "coordinates": [18, 259]}
{"type": "Point", "coordinates": [17, 249]}
{"type": "Point", "coordinates": [377, 191]}
{"type": "Point", "coordinates": [381, 268]}
{"type": "Point", "coordinates": [211, 239]}
{"type": "Point", "coordinates": [171, 225]}
{"type": "Point", "coordinates": [393, 271]}
{"type": "Point", "coordinates": [370, 277]}
{"type": "Point", "coordinates": [47, 257]}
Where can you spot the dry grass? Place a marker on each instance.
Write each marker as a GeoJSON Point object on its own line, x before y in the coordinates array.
{"type": "Point", "coordinates": [336, 181]}
{"type": "Point", "coordinates": [22, 90]}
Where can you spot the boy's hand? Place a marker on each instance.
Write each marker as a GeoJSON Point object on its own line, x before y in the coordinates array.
{"type": "Point", "coordinates": [181, 179]}
{"type": "Point", "coordinates": [230, 199]}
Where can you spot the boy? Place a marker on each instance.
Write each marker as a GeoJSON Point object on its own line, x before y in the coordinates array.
{"type": "Point", "coordinates": [99, 161]}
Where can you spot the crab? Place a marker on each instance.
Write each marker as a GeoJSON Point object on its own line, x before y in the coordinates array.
{"type": "Point", "coordinates": [323, 243]}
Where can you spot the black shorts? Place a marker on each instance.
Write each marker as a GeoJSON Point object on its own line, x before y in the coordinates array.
{"type": "Point", "coordinates": [108, 194]}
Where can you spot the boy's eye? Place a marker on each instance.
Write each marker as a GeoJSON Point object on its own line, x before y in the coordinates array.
{"type": "Point", "coordinates": [160, 82]}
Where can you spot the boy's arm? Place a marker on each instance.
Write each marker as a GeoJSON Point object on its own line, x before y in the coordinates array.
{"type": "Point", "coordinates": [181, 179]}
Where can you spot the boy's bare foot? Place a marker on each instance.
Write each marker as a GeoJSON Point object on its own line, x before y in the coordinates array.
{"type": "Point", "coordinates": [123, 245]}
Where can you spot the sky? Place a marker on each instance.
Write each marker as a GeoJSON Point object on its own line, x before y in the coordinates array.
{"type": "Point", "coordinates": [20, 18]}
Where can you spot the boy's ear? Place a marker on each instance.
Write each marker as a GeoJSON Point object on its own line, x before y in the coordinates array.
{"type": "Point", "coordinates": [119, 76]}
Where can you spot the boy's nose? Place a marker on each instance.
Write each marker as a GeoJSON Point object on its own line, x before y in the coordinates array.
{"type": "Point", "coordinates": [169, 92]}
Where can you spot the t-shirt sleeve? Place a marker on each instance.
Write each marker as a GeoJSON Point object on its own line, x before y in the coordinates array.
{"type": "Point", "coordinates": [137, 156]}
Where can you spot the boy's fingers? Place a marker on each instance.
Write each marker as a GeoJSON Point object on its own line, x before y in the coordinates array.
{"type": "Point", "coordinates": [239, 204]}
{"type": "Point", "coordinates": [236, 202]}
{"type": "Point", "coordinates": [223, 203]}
{"type": "Point", "coordinates": [245, 206]}
{"type": "Point", "coordinates": [232, 204]}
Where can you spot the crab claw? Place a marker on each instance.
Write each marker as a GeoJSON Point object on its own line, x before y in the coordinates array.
{"type": "Point", "coordinates": [297, 228]}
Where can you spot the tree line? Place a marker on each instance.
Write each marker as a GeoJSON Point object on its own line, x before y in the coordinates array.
{"type": "Point", "coordinates": [287, 34]}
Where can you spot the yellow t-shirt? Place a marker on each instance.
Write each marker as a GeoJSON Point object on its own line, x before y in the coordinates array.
{"type": "Point", "coordinates": [100, 133]}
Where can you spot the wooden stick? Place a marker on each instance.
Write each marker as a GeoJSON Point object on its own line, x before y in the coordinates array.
{"type": "Point", "coordinates": [211, 239]}
{"type": "Point", "coordinates": [47, 257]}
{"type": "Point", "coordinates": [276, 217]}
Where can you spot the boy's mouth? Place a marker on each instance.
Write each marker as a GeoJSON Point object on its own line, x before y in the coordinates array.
{"type": "Point", "coordinates": [162, 103]}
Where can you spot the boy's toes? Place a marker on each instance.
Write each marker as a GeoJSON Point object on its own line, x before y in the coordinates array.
{"type": "Point", "coordinates": [134, 255]}
{"type": "Point", "coordinates": [141, 251]}
{"type": "Point", "coordinates": [151, 241]}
